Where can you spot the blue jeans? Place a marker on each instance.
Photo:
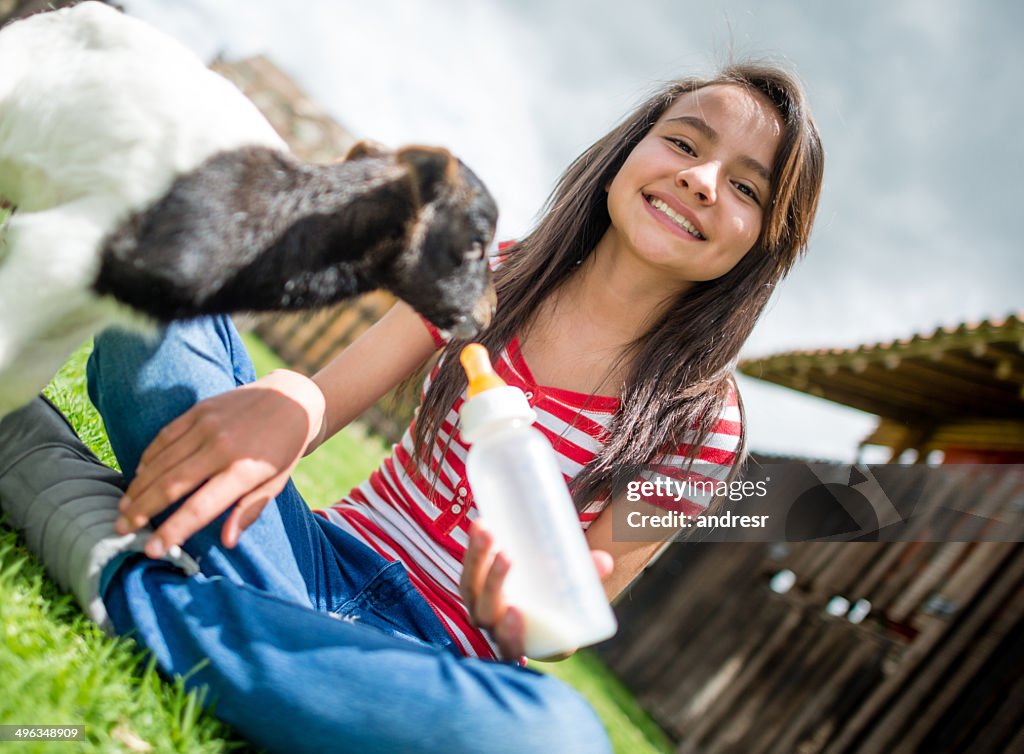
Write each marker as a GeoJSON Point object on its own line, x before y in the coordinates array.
{"type": "Point", "coordinates": [307, 639]}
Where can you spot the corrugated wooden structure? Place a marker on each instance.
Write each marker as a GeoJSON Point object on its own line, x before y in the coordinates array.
{"type": "Point", "coordinates": [726, 664]}
{"type": "Point", "coordinates": [955, 389]}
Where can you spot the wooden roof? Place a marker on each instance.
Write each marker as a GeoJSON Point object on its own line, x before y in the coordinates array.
{"type": "Point", "coordinates": [965, 383]}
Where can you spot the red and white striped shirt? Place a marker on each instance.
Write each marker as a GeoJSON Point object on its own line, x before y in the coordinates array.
{"type": "Point", "coordinates": [398, 514]}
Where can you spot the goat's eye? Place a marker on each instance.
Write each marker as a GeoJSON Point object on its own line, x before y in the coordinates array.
{"type": "Point", "coordinates": [474, 252]}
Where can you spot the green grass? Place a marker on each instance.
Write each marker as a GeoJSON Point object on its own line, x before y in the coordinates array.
{"type": "Point", "coordinates": [57, 668]}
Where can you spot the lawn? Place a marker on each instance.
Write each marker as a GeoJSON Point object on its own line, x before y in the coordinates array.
{"type": "Point", "coordinates": [57, 668]}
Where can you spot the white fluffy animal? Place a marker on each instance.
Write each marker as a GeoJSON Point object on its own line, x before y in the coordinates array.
{"type": "Point", "coordinates": [144, 183]}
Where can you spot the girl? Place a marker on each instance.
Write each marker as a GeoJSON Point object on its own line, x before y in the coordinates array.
{"type": "Point", "coordinates": [620, 315]}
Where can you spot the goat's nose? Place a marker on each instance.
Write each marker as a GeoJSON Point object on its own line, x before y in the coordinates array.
{"type": "Point", "coordinates": [465, 328]}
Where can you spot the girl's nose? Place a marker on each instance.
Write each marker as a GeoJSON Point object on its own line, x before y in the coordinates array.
{"type": "Point", "coordinates": [700, 180]}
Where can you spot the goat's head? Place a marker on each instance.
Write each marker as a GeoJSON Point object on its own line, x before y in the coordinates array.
{"type": "Point", "coordinates": [442, 270]}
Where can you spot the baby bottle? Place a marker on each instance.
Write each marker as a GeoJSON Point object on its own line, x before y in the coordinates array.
{"type": "Point", "coordinates": [524, 501]}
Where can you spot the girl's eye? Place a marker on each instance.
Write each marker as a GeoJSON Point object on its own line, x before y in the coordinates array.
{"type": "Point", "coordinates": [745, 189]}
{"type": "Point", "coordinates": [685, 146]}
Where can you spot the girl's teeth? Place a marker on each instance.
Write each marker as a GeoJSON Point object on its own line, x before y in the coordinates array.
{"type": "Point", "coordinates": [675, 217]}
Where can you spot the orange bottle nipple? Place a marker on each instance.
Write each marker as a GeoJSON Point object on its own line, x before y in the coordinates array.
{"type": "Point", "coordinates": [477, 363]}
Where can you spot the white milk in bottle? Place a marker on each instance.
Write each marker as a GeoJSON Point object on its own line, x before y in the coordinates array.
{"type": "Point", "coordinates": [523, 500]}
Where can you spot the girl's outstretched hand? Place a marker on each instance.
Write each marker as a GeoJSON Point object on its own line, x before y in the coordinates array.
{"type": "Point", "coordinates": [237, 448]}
{"type": "Point", "coordinates": [481, 586]}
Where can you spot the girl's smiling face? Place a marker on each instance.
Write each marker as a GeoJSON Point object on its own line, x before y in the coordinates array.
{"type": "Point", "coordinates": [691, 197]}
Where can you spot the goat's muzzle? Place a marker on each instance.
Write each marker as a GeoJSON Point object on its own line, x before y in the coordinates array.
{"type": "Point", "coordinates": [467, 327]}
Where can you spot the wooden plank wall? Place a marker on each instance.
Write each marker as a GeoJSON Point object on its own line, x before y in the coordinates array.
{"type": "Point", "coordinates": [726, 665]}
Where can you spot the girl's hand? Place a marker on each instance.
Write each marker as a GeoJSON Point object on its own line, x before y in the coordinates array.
{"type": "Point", "coordinates": [237, 448]}
{"type": "Point", "coordinates": [481, 587]}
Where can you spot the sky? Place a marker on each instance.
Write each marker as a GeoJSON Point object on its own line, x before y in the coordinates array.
{"type": "Point", "coordinates": [918, 102]}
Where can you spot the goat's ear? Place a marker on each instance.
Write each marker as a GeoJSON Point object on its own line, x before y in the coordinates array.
{"type": "Point", "coordinates": [429, 167]}
{"type": "Point", "coordinates": [366, 148]}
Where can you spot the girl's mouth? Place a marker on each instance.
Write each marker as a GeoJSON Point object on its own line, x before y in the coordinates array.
{"type": "Point", "coordinates": [677, 219]}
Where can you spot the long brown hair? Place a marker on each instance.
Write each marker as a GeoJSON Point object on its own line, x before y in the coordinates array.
{"type": "Point", "coordinates": [681, 369]}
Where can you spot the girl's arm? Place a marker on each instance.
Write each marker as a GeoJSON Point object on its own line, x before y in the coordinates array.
{"type": "Point", "coordinates": [242, 445]}
{"type": "Point", "coordinates": [376, 362]}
